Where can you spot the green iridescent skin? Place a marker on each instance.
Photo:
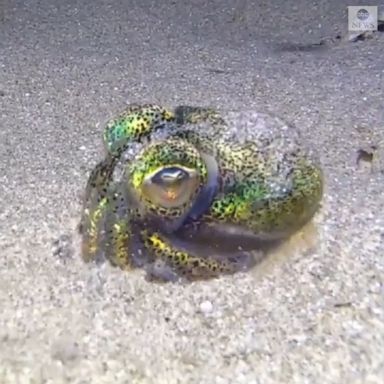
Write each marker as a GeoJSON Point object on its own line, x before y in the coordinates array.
{"type": "Point", "coordinates": [247, 198]}
{"type": "Point", "coordinates": [118, 219]}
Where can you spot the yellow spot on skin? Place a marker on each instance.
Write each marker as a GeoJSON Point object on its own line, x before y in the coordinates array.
{"type": "Point", "coordinates": [137, 180]}
{"type": "Point", "coordinates": [90, 247]}
{"type": "Point", "coordinates": [157, 242]}
{"type": "Point", "coordinates": [121, 248]}
{"type": "Point", "coordinates": [229, 210]}
{"type": "Point", "coordinates": [242, 211]}
{"type": "Point", "coordinates": [168, 115]}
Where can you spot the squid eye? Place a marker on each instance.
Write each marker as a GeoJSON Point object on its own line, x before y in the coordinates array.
{"type": "Point", "coordinates": [171, 186]}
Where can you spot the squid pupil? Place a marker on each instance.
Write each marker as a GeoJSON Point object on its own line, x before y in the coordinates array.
{"type": "Point", "coordinates": [169, 176]}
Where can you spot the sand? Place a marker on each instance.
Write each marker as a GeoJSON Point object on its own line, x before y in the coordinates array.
{"type": "Point", "coordinates": [313, 312]}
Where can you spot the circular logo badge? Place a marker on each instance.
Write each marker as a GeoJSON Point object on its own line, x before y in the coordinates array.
{"type": "Point", "coordinates": [362, 14]}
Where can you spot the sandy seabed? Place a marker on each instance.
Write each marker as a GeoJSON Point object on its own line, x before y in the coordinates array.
{"type": "Point", "coordinates": [311, 313]}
